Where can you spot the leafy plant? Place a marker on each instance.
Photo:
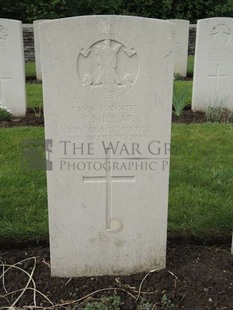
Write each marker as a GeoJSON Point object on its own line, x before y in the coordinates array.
{"type": "Point", "coordinates": [167, 302]}
{"type": "Point", "coordinates": [218, 113]}
{"type": "Point", "coordinates": [105, 303]}
{"type": "Point", "coordinates": [5, 114]}
{"type": "Point", "coordinates": [145, 305]}
{"type": "Point", "coordinates": [38, 112]}
{"type": "Point", "coordinates": [179, 101]}
{"type": "Point", "coordinates": [213, 114]}
{"type": "Point", "coordinates": [229, 117]}
{"type": "Point", "coordinates": [178, 77]}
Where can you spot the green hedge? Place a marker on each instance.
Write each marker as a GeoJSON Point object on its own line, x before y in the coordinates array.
{"type": "Point", "coordinates": [27, 10]}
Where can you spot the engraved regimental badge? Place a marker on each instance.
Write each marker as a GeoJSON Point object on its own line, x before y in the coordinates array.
{"type": "Point", "coordinates": [3, 36]}
{"type": "Point", "coordinates": [221, 35]}
{"type": "Point", "coordinates": [107, 67]}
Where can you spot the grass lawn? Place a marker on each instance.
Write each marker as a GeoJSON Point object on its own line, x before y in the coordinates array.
{"type": "Point", "coordinates": [190, 66]}
{"type": "Point", "coordinates": [201, 182]}
{"type": "Point", "coordinates": [30, 69]}
{"type": "Point", "coordinates": [23, 195]}
{"type": "Point", "coordinates": [34, 95]}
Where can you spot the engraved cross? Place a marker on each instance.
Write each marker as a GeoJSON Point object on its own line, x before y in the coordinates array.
{"type": "Point", "coordinates": [217, 77]}
{"type": "Point", "coordinates": [3, 79]}
{"type": "Point", "coordinates": [108, 179]}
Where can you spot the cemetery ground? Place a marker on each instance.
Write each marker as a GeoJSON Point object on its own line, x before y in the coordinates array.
{"type": "Point", "coordinates": [199, 272]}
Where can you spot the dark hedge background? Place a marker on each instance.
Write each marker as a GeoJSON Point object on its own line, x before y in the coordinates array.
{"type": "Point", "coordinates": [27, 10]}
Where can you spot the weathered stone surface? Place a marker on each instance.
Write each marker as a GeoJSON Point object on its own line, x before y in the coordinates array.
{"type": "Point", "coordinates": [12, 72]}
{"type": "Point", "coordinates": [213, 68]}
{"type": "Point", "coordinates": [107, 84]}
{"type": "Point", "coordinates": [36, 25]}
{"type": "Point", "coordinates": [181, 46]}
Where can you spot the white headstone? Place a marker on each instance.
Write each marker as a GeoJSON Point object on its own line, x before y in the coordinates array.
{"type": "Point", "coordinates": [181, 46]}
{"type": "Point", "coordinates": [213, 67]}
{"type": "Point", "coordinates": [107, 82]}
{"type": "Point", "coordinates": [12, 70]}
{"type": "Point", "coordinates": [36, 25]}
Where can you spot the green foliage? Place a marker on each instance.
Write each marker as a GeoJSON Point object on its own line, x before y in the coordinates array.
{"type": "Point", "coordinates": [88, 7]}
{"type": "Point", "coordinates": [218, 113]}
{"type": "Point", "coordinates": [193, 10]}
{"type": "Point", "coordinates": [105, 303]}
{"type": "Point", "coordinates": [167, 302]}
{"type": "Point", "coordinates": [179, 100]}
{"type": "Point", "coordinates": [145, 305]}
{"type": "Point", "coordinates": [178, 77]}
{"type": "Point", "coordinates": [27, 10]}
{"type": "Point", "coordinates": [229, 117]}
{"type": "Point", "coordinates": [5, 114]}
{"type": "Point", "coordinates": [224, 8]}
{"type": "Point", "coordinates": [213, 114]}
{"type": "Point", "coordinates": [38, 112]}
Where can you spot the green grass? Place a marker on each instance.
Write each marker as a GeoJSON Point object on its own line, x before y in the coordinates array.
{"type": "Point", "coordinates": [34, 90]}
{"type": "Point", "coordinates": [201, 182]}
{"type": "Point", "coordinates": [23, 198]}
{"type": "Point", "coordinates": [190, 66]}
{"type": "Point", "coordinates": [34, 95]}
{"type": "Point", "coordinates": [30, 69]}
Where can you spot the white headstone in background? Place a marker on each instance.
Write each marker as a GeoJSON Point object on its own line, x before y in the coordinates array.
{"type": "Point", "coordinates": [12, 70]}
{"type": "Point", "coordinates": [213, 67]}
{"type": "Point", "coordinates": [36, 25]}
{"type": "Point", "coordinates": [107, 83]}
{"type": "Point", "coordinates": [181, 46]}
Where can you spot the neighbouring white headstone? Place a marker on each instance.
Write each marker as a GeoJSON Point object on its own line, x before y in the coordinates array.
{"type": "Point", "coordinates": [36, 25]}
{"type": "Point", "coordinates": [213, 67]}
{"type": "Point", "coordinates": [181, 46]}
{"type": "Point", "coordinates": [107, 83]}
{"type": "Point", "coordinates": [12, 70]}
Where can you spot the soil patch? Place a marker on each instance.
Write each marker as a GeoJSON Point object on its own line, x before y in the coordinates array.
{"type": "Point", "coordinates": [196, 278]}
{"type": "Point", "coordinates": [33, 117]}
{"type": "Point", "coordinates": [189, 117]}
